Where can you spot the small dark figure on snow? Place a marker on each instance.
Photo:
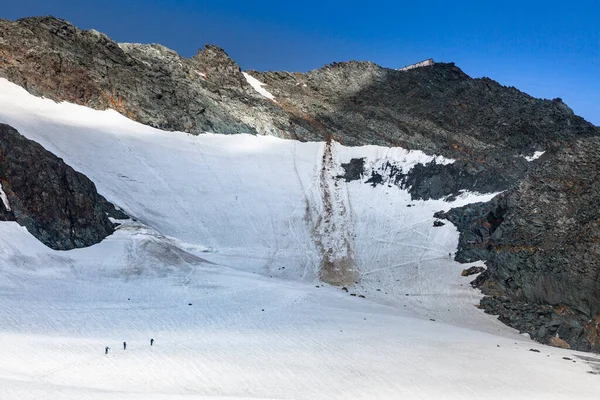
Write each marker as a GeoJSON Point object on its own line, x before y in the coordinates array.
{"type": "Point", "coordinates": [106, 350]}
{"type": "Point", "coordinates": [151, 342]}
{"type": "Point", "coordinates": [124, 345]}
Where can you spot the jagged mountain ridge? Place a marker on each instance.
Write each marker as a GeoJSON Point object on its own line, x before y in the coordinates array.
{"type": "Point", "coordinates": [437, 109]}
{"type": "Point", "coordinates": [486, 127]}
{"type": "Point", "coordinates": [148, 83]}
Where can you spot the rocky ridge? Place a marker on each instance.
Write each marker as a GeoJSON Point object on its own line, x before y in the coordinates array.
{"type": "Point", "coordinates": [148, 83]}
{"type": "Point", "coordinates": [541, 243]}
{"type": "Point", "coordinates": [56, 204]}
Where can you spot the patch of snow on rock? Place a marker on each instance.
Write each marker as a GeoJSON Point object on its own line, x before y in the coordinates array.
{"type": "Point", "coordinates": [4, 198]}
{"type": "Point", "coordinates": [535, 156]}
{"type": "Point", "coordinates": [258, 86]}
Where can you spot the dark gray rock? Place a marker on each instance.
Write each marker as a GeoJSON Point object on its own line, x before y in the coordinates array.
{"type": "Point", "coordinates": [472, 271]}
{"type": "Point", "coordinates": [541, 241]}
{"type": "Point", "coordinates": [437, 181]}
{"type": "Point", "coordinates": [56, 204]}
{"type": "Point", "coordinates": [438, 109]}
{"type": "Point", "coordinates": [353, 170]}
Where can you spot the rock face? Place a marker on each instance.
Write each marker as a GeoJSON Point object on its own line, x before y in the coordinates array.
{"type": "Point", "coordinates": [437, 109]}
{"type": "Point", "coordinates": [56, 204]}
{"type": "Point", "coordinates": [541, 241]}
{"type": "Point", "coordinates": [148, 83]}
{"type": "Point", "coordinates": [435, 181]}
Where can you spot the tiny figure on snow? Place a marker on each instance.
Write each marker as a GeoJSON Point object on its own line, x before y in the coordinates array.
{"type": "Point", "coordinates": [106, 350]}
{"type": "Point", "coordinates": [151, 342]}
{"type": "Point", "coordinates": [450, 256]}
{"type": "Point", "coordinates": [124, 345]}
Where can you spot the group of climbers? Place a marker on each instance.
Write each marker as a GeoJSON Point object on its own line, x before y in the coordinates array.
{"type": "Point", "coordinates": [106, 349]}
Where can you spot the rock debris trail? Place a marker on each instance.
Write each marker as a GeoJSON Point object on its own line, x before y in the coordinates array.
{"type": "Point", "coordinates": [334, 227]}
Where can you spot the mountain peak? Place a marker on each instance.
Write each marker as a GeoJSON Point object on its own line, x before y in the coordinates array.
{"type": "Point", "coordinates": [213, 56]}
{"type": "Point", "coordinates": [218, 67]}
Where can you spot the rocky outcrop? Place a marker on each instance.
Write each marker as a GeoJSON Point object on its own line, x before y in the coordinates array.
{"type": "Point", "coordinates": [438, 109]}
{"type": "Point", "coordinates": [541, 241]}
{"type": "Point", "coordinates": [434, 180]}
{"type": "Point", "coordinates": [148, 83]}
{"type": "Point", "coordinates": [56, 204]}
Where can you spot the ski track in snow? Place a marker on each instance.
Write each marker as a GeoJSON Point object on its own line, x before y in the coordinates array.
{"type": "Point", "coordinates": [227, 224]}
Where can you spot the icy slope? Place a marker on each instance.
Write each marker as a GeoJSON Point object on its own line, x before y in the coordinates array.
{"type": "Point", "coordinates": [243, 336]}
{"type": "Point", "coordinates": [258, 197]}
{"type": "Point", "coordinates": [236, 225]}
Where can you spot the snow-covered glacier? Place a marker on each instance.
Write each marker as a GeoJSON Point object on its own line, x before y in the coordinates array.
{"type": "Point", "coordinates": [234, 262]}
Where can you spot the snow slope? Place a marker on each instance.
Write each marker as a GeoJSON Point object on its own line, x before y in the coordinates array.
{"type": "Point", "coordinates": [238, 227]}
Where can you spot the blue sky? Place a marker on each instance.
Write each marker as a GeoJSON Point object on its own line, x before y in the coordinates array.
{"type": "Point", "coordinates": [546, 48]}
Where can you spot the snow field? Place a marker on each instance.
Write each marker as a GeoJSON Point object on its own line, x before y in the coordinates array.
{"type": "Point", "coordinates": [227, 223]}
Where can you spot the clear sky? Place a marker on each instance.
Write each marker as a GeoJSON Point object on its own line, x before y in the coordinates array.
{"type": "Point", "coordinates": [546, 48]}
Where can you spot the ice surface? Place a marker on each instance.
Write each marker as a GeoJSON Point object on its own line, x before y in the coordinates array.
{"type": "Point", "coordinates": [235, 226]}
